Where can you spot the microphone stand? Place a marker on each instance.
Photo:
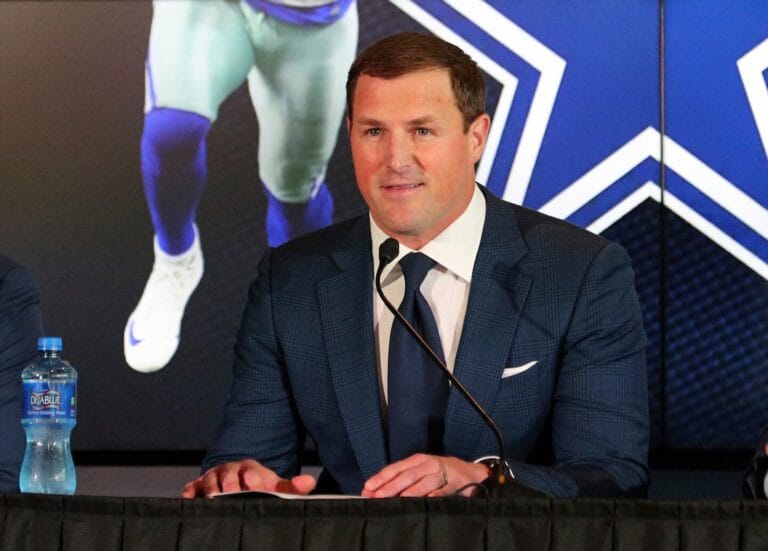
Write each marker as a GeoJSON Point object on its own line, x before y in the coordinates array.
{"type": "Point", "coordinates": [500, 483]}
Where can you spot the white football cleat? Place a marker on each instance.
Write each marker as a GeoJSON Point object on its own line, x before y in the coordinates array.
{"type": "Point", "coordinates": [151, 335]}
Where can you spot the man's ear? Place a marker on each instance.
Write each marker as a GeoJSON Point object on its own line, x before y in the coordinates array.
{"type": "Point", "coordinates": [478, 134]}
{"type": "Point", "coordinates": [349, 125]}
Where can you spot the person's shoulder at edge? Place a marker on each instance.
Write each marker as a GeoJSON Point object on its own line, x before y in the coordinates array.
{"type": "Point", "coordinates": [7, 265]}
{"type": "Point", "coordinates": [16, 283]}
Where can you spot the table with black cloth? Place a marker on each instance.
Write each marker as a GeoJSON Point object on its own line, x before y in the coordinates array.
{"type": "Point", "coordinates": [108, 523]}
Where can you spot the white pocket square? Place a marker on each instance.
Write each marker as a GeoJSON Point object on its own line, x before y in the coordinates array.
{"type": "Point", "coordinates": [508, 372]}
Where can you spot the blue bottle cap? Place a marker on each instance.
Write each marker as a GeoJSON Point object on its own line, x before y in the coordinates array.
{"type": "Point", "coordinates": [52, 344]}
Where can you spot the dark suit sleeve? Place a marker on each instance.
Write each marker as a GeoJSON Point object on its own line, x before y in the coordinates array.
{"type": "Point", "coordinates": [20, 326]}
{"type": "Point", "coordinates": [757, 471]}
{"type": "Point", "coordinates": [600, 423]}
{"type": "Point", "coordinates": [260, 420]}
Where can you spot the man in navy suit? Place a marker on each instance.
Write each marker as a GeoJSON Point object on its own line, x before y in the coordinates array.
{"type": "Point", "coordinates": [537, 318]}
{"type": "Point", "coordinates": [20, 327]}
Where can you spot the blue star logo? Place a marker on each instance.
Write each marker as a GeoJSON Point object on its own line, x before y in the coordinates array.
{"type": "Point", "coordinates": [577, 126]}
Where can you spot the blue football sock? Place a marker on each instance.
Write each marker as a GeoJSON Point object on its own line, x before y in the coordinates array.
{"type": "Point", "coordinates": [286, 221]}
{"type": "Point", "coordinates": [173, 166]}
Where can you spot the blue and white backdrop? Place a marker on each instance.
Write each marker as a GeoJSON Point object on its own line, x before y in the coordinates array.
{"type": "Point", "coordinates": [645, 122]}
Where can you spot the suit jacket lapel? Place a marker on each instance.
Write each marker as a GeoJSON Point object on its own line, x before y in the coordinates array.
{"type": "Point", "coordinates": [346, 309]}
{"type": "Point", "coordinates": [496, 298]}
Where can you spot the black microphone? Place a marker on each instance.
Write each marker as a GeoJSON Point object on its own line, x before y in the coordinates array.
{"type": "Point", "coordinates": [500, 483]}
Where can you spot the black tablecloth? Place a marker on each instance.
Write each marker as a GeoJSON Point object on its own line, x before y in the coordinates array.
{"type": "Point", "coordinates": [30, 522]}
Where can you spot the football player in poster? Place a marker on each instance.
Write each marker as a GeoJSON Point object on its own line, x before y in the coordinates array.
{"type": "Point", "coordinates": [294, 55]}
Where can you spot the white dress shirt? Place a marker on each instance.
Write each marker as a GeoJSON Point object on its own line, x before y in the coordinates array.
{"type": "Point", "coordinates": [445, 287]}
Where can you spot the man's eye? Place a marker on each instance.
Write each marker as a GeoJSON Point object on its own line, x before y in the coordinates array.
{"type": "Point", "coordinates": [374, 131]}
{"type": "Point", "coordinates": [423, 131]}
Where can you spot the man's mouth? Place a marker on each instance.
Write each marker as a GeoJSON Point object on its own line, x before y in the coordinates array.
{"type": "Point", "coordinates": [404, 186]}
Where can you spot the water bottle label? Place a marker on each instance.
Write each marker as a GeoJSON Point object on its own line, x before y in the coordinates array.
{"type": "Point", "coordinates": [43, 399]}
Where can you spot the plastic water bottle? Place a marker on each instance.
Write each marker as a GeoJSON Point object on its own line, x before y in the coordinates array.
{"type": "Point", "coordinates": [49, 413]}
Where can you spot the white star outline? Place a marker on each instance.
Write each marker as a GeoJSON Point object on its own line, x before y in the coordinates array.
{"type": "Point", "coordinates": [647, 143]}
{"type": "Point", "coordinates": [751, 66]}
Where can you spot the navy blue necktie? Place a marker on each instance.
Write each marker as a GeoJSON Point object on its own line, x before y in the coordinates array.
{"type": "Point", "coordinates": [417, 390]}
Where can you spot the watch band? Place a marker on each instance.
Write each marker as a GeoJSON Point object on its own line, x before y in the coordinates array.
{"type": "Point", "coordinates": [493, 462]}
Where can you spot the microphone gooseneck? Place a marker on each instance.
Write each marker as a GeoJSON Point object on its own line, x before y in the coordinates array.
{"type": "Point", "coordinates": [500, 483]}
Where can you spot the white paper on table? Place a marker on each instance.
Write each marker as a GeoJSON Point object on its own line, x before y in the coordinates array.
{"type": "Point", "coordinates": [281, 495]}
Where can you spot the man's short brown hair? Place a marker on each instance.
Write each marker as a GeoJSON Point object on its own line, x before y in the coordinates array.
{"type": "Point", "coordinates": [406, 53]}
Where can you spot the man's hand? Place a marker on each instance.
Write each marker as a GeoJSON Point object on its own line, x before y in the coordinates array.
{"type": "Point", "coordinates": [425, 475]}
{"type": "Point", "coordinates": [245, 475]}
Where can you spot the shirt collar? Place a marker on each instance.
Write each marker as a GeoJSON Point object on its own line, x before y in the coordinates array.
{"type": "Point", "coordinates": [455, 248]}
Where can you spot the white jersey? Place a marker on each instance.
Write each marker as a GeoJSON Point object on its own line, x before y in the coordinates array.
{"type": "Point", "coordinates": [302, 3]}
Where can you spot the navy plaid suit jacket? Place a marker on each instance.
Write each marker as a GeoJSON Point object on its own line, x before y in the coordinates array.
{"type": "Point", "coordinates": [575, 423]}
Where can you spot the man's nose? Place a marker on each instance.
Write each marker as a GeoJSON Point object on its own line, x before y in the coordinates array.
{"type": "Point", "coordinates": [400, 152]}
